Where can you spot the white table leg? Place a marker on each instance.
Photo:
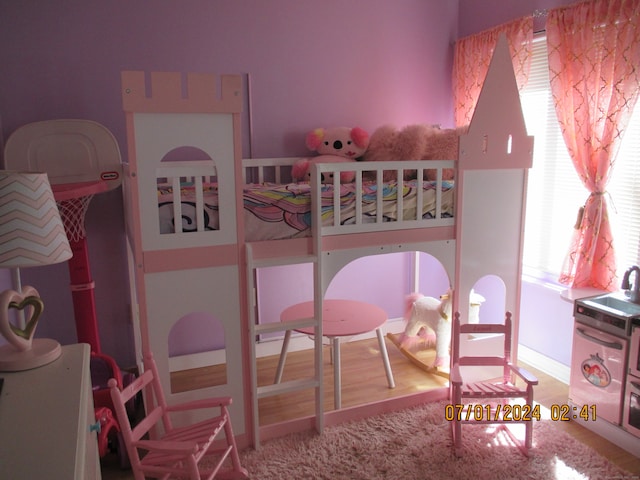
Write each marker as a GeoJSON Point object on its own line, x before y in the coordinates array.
{"type": "Point", "coordinates": [337, 375]}
{"type": "Point", "coordinates": [385, 358]}
{"type": "Point", "coordinates": [283, 356]}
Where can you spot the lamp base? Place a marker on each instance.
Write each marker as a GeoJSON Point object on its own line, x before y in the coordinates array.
{"type": "Point", "coordinates": [43, 351]}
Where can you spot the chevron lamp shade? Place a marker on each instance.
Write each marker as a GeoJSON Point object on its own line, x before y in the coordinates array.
{"type": "Point", "coordinates": [31, 231]}
{"type": "Point", "coordinates": [31, 234]}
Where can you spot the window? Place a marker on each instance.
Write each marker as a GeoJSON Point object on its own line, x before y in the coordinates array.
{"type": "Point", "coordinates": [555, 192]}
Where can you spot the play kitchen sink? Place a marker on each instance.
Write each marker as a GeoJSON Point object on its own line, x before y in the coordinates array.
{"type": "Point", "coordinates": [614, 312]}
{"type": "Point", "coordinates": [610, 312]}
{"type": "Point", "coordinates": [616, 303]}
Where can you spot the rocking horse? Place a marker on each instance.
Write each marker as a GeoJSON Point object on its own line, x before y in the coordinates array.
{"type": "Point", "coordinates": [428, 324]}
{"type": "Point", "coordinates": [429, 321]}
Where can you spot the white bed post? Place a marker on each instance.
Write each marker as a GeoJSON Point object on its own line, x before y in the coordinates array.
{"type": "Point", "coordinates": [319, 288]}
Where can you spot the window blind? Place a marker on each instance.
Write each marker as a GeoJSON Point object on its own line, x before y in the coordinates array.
{"type": "Point", "coordinates": [555, 192]}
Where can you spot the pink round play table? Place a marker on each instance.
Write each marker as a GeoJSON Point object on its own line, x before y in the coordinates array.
{"type": "Point", "coordinates": [340, 318]}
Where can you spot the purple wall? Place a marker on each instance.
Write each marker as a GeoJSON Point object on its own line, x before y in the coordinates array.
{"type": "Point", "coordinates": [546, 322]}
{"type": "Point", "coordinates": [382, 280]}
{"type": "Point", "coordinates": [281, 287]}
{"type": "Point", "coordinates": [354, 62]}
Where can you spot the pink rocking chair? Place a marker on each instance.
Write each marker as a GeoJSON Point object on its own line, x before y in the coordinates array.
{"type": "Point", "coordinates": [178, 452]}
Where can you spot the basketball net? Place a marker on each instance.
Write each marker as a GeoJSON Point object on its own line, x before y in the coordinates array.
{"type": "Point", "coordinates": [72, 212]}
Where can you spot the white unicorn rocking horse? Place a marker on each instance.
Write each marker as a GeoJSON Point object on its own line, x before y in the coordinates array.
{"type": "Point", "coordinates": [429, 321]}
{"type": "Point", "coordinates": [428, 324]}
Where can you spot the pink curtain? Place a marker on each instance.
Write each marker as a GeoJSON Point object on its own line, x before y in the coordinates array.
{"type": "Point", "coordinates": [594, 56]}
{"type": "Point", "coordinates": [471, 62]}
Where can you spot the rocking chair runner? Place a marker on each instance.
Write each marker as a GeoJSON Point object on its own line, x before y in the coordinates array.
{"type": "Point", "coordinates": [178, 451]}
{"type": "Point", "coordinates": [484, 393]}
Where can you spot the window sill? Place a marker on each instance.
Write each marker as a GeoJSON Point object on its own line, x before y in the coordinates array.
{"type": "Point", "coordinates": [568, 294]}
{"type": "Point", "coordinates": [573, 294]}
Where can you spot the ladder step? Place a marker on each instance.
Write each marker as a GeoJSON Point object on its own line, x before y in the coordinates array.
{"type": "Point", "coordinates": [278, 261]}
{"type": "Point", "coordinates": [282, 326]}
{"type": "Point", "coordinates": [286, 387]}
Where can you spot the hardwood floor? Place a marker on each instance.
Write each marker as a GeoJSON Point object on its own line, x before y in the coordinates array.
{"type": "Point", "coordinates": [364, 380]}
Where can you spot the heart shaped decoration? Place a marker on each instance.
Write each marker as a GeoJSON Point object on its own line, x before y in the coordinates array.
{"type": "Point", "coordinates": [28, 301]}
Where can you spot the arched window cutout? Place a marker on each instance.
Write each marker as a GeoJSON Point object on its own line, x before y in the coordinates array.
{"type": "Point", "coordinates": [186, 153]}
{"type": "Point", "coordinates": [179, 196]}
{"type": "Point", "coordinates": [432, 278]}
{"type": "Point", "coordinates": [197, 355]}
{"type": "Point", "coordinates": [378, 279]}
{"type": "Point", "coordinates": [493, 293]}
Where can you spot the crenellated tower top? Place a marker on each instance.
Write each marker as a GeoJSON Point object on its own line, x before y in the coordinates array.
{"type": "Point", "coordinates": [173, 92]}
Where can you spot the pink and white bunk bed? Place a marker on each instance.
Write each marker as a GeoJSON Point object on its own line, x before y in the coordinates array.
{"type": "Point", "coordinates": [184, 162]}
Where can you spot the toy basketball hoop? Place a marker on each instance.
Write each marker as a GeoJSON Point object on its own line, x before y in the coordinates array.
{"type": "Point", "coordinates": [81, 159]}
{"type": "Point", "coordinates": [73, 202]}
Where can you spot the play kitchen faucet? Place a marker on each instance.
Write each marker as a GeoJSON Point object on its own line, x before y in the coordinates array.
{"type": "Point", "coordinates": [632, 293]}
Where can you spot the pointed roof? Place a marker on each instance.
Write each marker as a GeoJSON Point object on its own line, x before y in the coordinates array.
{"type": "Point", "coordinates": [497, 136]}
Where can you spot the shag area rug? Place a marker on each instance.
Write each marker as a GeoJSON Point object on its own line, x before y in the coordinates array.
{"type": "Point", "coordinates": [416, 444]}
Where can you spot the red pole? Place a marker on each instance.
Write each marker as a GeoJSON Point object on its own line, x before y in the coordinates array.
{"type": "Point", "coordinates": [82, 291]}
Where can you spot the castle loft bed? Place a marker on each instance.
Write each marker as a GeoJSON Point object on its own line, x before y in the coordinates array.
{"type": "Point", "coordinates": [236, 216]}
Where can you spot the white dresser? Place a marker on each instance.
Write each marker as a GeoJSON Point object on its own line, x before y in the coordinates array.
{"type": "Point", "coordinates": [45, 419]}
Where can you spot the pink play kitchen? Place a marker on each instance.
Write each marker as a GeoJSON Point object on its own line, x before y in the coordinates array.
{"type": "Point", "coordinates": [604, 389]}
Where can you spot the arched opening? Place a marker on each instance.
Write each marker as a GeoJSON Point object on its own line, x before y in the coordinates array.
{"type": "Point", "coordinates": [192, 198]}
{"type": "Point", "coordinates": [383, 280]}
{"type": "Point", "coordinates": [185, 153]}
{"type": "Point", "coordinates": [432, 276]}
{"type": "Point", "coordinates": [492, 290]}
{"type": "Point", "coordinates": [493, 293]}
{"type": "Point", "coordinates": [197, 355]}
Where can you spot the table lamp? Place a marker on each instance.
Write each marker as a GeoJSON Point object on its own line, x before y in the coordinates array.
{"type": "Point", "coordinates": [31, 235]}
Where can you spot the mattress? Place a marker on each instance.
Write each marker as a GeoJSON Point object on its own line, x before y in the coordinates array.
{"type": "Point", "coordinates": [276, 212]}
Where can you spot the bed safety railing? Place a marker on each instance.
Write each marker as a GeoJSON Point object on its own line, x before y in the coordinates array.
{"type": "Point", "coordinates": [366, 205]}
{"type": "Point", "coordinates": [194, 173]}
{"type": "Point", "coordinates": [409, 209]}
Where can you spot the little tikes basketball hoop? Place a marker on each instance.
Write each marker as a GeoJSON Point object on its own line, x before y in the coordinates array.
{"type": "Point", "coordinates": [81, 159]}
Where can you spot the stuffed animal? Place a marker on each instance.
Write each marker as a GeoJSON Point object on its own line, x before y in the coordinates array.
{"type": "Point", "coordinates": [301, 170]}
{"type": "Point", "coordinates": [432, 316]}
{"type": "Point", "coordinates": [429, 320]}
{"type": "Point", "coordinates": [342, 141]}
{"type": "Point", "coordinates": [413, 142]}
{"type": "Point", "coordinates": [338, 144]}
